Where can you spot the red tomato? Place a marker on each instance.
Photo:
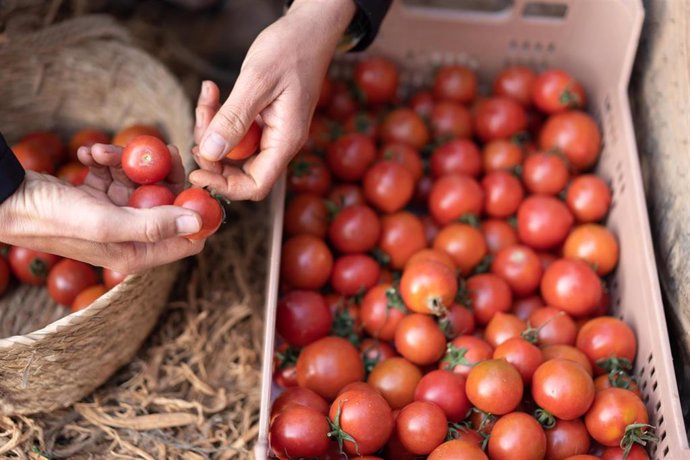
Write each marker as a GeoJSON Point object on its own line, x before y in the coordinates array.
{"type": "Point", "coordinates": [594, 244]}
{"type": "Point", "coordinates": [455, 83]}
{"type": "Point", "coordinates": [325, 94]}
{"type": "Point", "coordinates": [431, 255]}
{"type": "Point", "coordinates": [327, 365]}
{"type": "Point", "coordinates": [381, 311]}
{"type": "Point", "coordinates": [247, 145]}
{"type": "Point", "coordinates": [515, 82]}
{"type": "Point", "coordinates": [555, 90]}
{"type": "Point", "coordinates": [421, 427]}
{"type": "Point", "coordinates": [566, 352]}
{"type": "Point", "coordinates": [563, 388]}
{"type": "Point", "coordinates": [32, 158]}
{"type": "Point", "coordinates": [388, 185]}
{"type": "Point", "coordinates": [74, 173]}
{"type": "Point", "coordinates": [489, 294]}
{"type": "Point", "coordinates": [431, 228]}
{"type": "Point", "coordinates": [499, 118]}
{"type": "Point", "coordinates": [447, 390]}
{"type": "Point", "coordinates": [543, 221]}
{"type": "Point", "coordinates": [395, 379]}
{"type": "Point", "coordinates": [299, 431]}
{"type": "Point", "coordinates": [464, 352]}
{"type": "Point", "coordinates": [146, 160]}
{"type": "Point", "coordinates": [343, 195]}
{"type": "Point", "coordinates": [358, 386]}
{"type": "Point", "coordinates": [607, 338]}
{"type": "Point", "coordinates": [406, 156]}
{"type": "Point", "coordinates": [618, 453]}
{"type": "Point", "coordinates": [127, 135]}
{"type": "Point", "coordinates": [422, 103]}
{"type": "Point", "coordinates": [402, 235]}
{"type": "Point", "coordinates": [366, 417]}
{"type": "Point", "coordinates": [211, 212]}
{"type": "Point", "coordinates": [88, 296]}
{"type": "Point", "coordinates": [362, 123]}
{"type": "Point", "coordinates": [453, 196]}
{"type": "Point", "coordinates": [502, 327]}
{"type": "Point", "coordinates": [354, 229]}
{"type": "Point", "coordinates": [4, 275]}
{"type": "Point", "coordinates": [299, 396]}
{"type": "Point", "coordinates": [503, 194]}
{"type": "Point", "coordinates": [500, 155]}
{"type": "Point", "coordinates": [303, 317]}
{"type": "Point", "coordinates": [588, 198]}
{"type": "Point", "coordinates": [459, 156]}
{"type": "Point", "coordinates": [458, 449]}
{"type": "Point", "coordinates": [458, 320]}
{"type": "Point", "coordinates": [349, 157]}
{"type": "Point", "coordinates": [524, 356]}
{"type": "Point", "coordinates": [29, 266]}
{"type": "Point", "coordinates": [571, 286]}
{"type": "Point", "coordinates": [48, 143]}
{"type": "Point", "coordinates": [377, 79]}
{"type": "Point", "coordinates": [374, 352]}
{"type": "Point", "coordinates": [111, 278]}
{"type": "Point", "coordinates": [545, 173]}
{"type": "Point", "coordinates": [428, 287]}
{"type": "Point", "coordinates": [494, 386]}
{"type": "Point", "coordinates": [498, 234]}
{"type": "Point", "coordinates": [574, 133]}
{"type": "Point", "coordinates": [553, 326]}
{"type": "Point", "coordinates": [507, 441]}
{"type": "Point", "coordinates": [343, 103]}
{"type": "Point", "coordinates": [86, 137]}
{"type": "Point", "coordinates": [464, 244]}
{"type": "Point", "coordinates": [150, 196]}
{"type": "Point", "coordinates": [419, 339]}
{"type": "Point", "coordinates": [306, 213]}
{"type": "Point", "coordinates": [306, 262]}
{"type": "Point", "coordinates": [451, 119]}
{"type": "Point", "coordinates": [68, 278]}
{"type": "Point", "coordinates": [618, 379]}
{"type": "Point", "coordinates": [354, 273]}
{"type": "Point", "coordinates": [613, 411]}
{"type": "Point", "coordinates": [405, 126]}
{"type": "Point", "coordinates": [322, 131]}
{"type": "Point", "coordinates": [520, 267]}
{"type": "Point", "coordinates": [566, 438]}
{"type": "Point", "coordinates": [523, 308]}
{"type": "Point", "coordinates": [308, 173]}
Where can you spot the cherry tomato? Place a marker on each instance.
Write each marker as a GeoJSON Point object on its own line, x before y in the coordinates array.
{"type": "Point", "coordinates": [594, 244]}
{"type": "Point", "coordinates": [247, 145]}
{"type": "Point", "coordinates": [588, 198]}
{"type": "Point", "coordinates": [553, 326]}
{"type": "Point", "coordinates": [127, 135]}
{"type": "Point", "coordinates": [451, 119]}
{"type": "Point", "coordinates": [402, 235]}
{"type": "Point", "coordinates": [343, 103]}
{"type": "Point", "coordinates": [455, 83]}
{"type": "Point", "coordinates": [111, 278]}
{"type": "Point", "coordinates": [498, 234]}
{"type": "Point", "coordinates": [354, 273]}
{"type": "Point", "coordinates": [366, 417]}
{"type": "Point", "coordinates": [563, 388]}
{"type": "Point", "coordinates": [464, 352]}
{"type": "Point", "coordinates": [343, 195]}
{"type": "Point", "coordinates": [396, 379]}
{"type": "Point", "coordinates": [408, 157]}
{"type": "Point", "coordinates": [574, 133]}
{"type": "Point", "coordinates": [453, 196]}
{"type": "Point", "coordinates": [4, 276]}
{"type": "Point", "coordinates": [285, 376]}
{"type": "Point", "coordinates": [489, 294]}
{"type": "Point", "coordinates": [150, 196]}
{"type": "Point", "coordinates": [381, 311]}
{"type": "Point", "coordinates": [494, 386]}
{"type": "Point", "coordinates": [619, 379]}
{"type": "Point", "coordinates": [88, 296]}
{"type": "Point", "coordinates": [74, 173]}
{"type": "Point", "coordinates": [582, 457]}
{"type": "Point", "coordinates": [308, 173]}
{"type": "Point", "coordinates": [501, 155]}
{"type": "Point", "coordinates": [459, 156]}
{"type": "Point", "coordinates": [568, 352]}
{"type": "Point", "coordinates": [614, 410]}
{"type": "Point", "coordinates": [388, 185]}
{"type": "Point", "coordinates": [431, 255]}
{"type": "Point", "coordinates": [48, 143]}
{"type": "Point", "coordinates": [211, 212]}
{"type": "Point", "coordinates": [421, 427]}
{"type": "Point", "coordinates": [543, 221]}
{"type": "Point", "coordinates": [327, 365]}
{"type": "Point", "coordinates": [358, 386]}
{"type": "Point", "coordinates": [322, 131]}
{"type": "Point", "coordinates": [86, 137]}
{"type": "Point", "coordinates": [605, 338]}
{"type": "Point", "coordinates": [419, 339]}
{"type": "Point", "coordinates": [354, 229]}
{"type": "Point", "coordinates": [447, 390]}
{"type": "Point", "coordinates": [32, 158]}
{"type": "Point", "coordinates": [571, 285]}
{"type": "Point", "coordinates": [555, 90]}
{"type": "Point", "coordinates": [146, 160]}
{"type": "Point", "coordinates": [508, 438]}
{"type": "Point", "coordinates": [377, 79]}
{"type": "Point", "coordinates": [431, 228]}
{"type": "Point", "coordinates": [374, 352]}
{"type": "Point", "coordinates": [524, 356]}
{"type": "Point", "coordinates": [499, 118]}
{"type": "Point", "coordinates": [299, 431]}
{"type": "Point", "coordinates": [306, 213]}
{"type": "Point", "coordinates": [422, 103]}
{"type": "Point", "coordinates": [29, 266]}
{"type": "Point", "coordinates": [618, 453]}
{"type": "Point", "coordinates": [515, 82]}
{"type": "Point", "coordinates": [325, 94]}
{"type": "Point", "coordinates": [502, 327]}
{"type": "Point", "coordinates": [503, 194]}
{"type": "Point", "coordinates": [520, 267]}
{"type": "Point", "coordinates": [362, 123]}
{"type": "Point", "coordinates": [566, 438]}
{"type": "Point", "coordinates": [458, 449]}
{"type": "Point", "coordinates": [464, 244]}
{"type": "Point", "coordinates": [457, 320]}
{"type": "Point", "coordinates": [303, 317]}
{"type": "Point", "coordinates": [299, 396]}
{"type": "Point", "coordinates": [405, 126]}
{"type": "Point", "coordinates": [68, 278]}
{"type": "Point", "coordinates": [306, 262]}
{"type": "Point", "coordinates": [545, 173]}
{"type": "Point", "coordinates": [349, 157]}
{"type": "Point", "coordinates": [523, 308]}
{"type": "Point", "coordinates": [428, 287]}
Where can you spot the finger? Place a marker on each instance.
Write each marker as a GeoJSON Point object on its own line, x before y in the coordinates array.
{"type": "Point", "coordinates": [98, 176]}
{"type": "Point", "coordinates": [121, 186]}
{"type": "Point", "coordinates": [142, 256]}
{"type": "Point", "coordinates": [213, 166]}
{"type": "Point", "coordinates": [206, 108]}
{"type": "Point", "coordinates": [176, 178]}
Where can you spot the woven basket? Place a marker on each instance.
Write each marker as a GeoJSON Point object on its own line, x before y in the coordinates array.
{"type": "Point", "coordinates": [80, 73]}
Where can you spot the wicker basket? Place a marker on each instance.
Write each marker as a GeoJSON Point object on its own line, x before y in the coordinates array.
{"type": "Point", "coordinates": [80, 73]}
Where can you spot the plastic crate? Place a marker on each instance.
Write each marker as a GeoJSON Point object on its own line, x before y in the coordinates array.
{"type": "Point", "coordinates": [596, 41]}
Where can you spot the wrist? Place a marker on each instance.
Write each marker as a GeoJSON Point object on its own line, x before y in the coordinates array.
{"type": "Point", "coordinates": [332, 16]}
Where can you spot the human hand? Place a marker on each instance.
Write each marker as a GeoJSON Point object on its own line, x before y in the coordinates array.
{"type": "Point", "coordinates": [279, 84]}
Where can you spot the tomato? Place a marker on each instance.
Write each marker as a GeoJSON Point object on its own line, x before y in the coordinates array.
{"type": "Point", "coordinates": [406, 156]}
{"type": "Point", "coordinates": [451, 119]}
{"type": "Point", "coordinates": [501, 155]}
{"type": "Point", "coordinates": [464, 244]}
{"type": "Point", "coordinates": [299, 431]}
{"type": "Point", "coordinates": [4, 276]}
{"type": "Point", "coordinates": [303, 317]}
{"type": "Point", "coordinates": [363, 123]}
{"type": "Point", "coordinates": [111, 278]}
{"type": "Point", "coordinates": [404, 126]}
{"type": "Point", "coordinates": [285, 376]}
{"type": "Point", "coordinates": [86, 137]}
{"type": "Point", "coordinates": [545, 173]}
{"type": "Point", "coordinates": [489, 294]}
{"type": "Point", "coordinates": [150, 196]}
{"type": "Point", "coordinates": [359, 386]}
{"type": "Point", "coordinates": [508, 438]}
{"type": "Point", "coordinates": [553, 326]}
{"type": "Point", "coordinates": [563, 388]}
{"type": "Point", "coordinates": [523, 308]}
{"type": "Point", "coordinates": [524, 356]}
{"type": "Point", "coordinates": [605, 338]}
{"type": "Point", "coordinates": [543, 221]}
{"type": "Point", "coordinates": [431, 255]}
{"type": "Point", "coordinates": [306, 213]}
{"type": "Point", "coordinates": [349, 157]}
{"type": "Point", "coordinates": [343, 195]}
{"type": "Point", "coordinates": [431, 228]}
{"type": "Point", "coordinates": [419, 339]}
{"type": "Point", "coordinates": [458, 449]}
{"type": "Point", "coordinates": [381, 311]}
{"type": "Point", "coordinates": [459, 156]}
{"type": "Point", "coordinates": [374, 352]}
{"type": "Point", "coordinates": [29, 266]}
{"type": "Point", "coordinates": [88, 296]}
{"type": "Point", "coordinates": [576, 135]}
{"type": "Point", "coordinates": [343, 103]}
{"type": "Point", "coordinates": [502, 327]}
{"type": "Point", "coordinates": [455, 83]}
{"type": "Point", "coordinates": [48, 143]}
{"type": "Point", "coordinates": [68, 278]}
{"type": "Point", "coordinates": [354, 229]}
{"type": "Point", "coordinates": [520, 267]}
{"type": "Point", "coordinates": [366, 417]}
{"type": "Point", "coordinates": [402, 235]}
{"type": "Point", "coordinates": [555, 90]}
{"type": "Point", "coordinates": [457, 320]}
{"type": "Point", "coordinates": [494, 386]}
{"type": "Point", "coordinates": [421, 427]}
{"type": "Point", "coordinates": [617, 379]}
{"type": "Point", "coordinates": [308, 173]}
{"type": "Point", "coordinates": [613, 411]}
{"type": "Point", "coordinates": [388, 185]}
{"type": "Point", "coordinates": [396, 379]}
{"type": "Point", "coordinates": [422, 103]}
{"type": "Point", "coordinates": [566, 438]}
{"type": "Point", "coordinates": [515, 82]}
{"type": "Point", "coordinates": [498, 234]}
{"type": "Point", "coordinates": [127, 135]}
{"type": "Point", "coordinates": [327, 365]}
{"type": "Point", "coordinates": [377, 79]}
{"type": "Point", "coordinates": [503, 194]}
{"type": "Point", "coordinates": [428, 287]}
{"type": "Point", "coordinates": [74, 173]}
{"type": "Point", "coordinates": [582, 457]}
{"type": "Point", "coordinates": [322, 131]}
{"type": "Point", "coordinates": [354, 273]}
{"type": "Point", "coordinates": [464, 352]}
{"type": "Point", "coordinates": [594, 244]}
{"type": "Point", "coordinates": [618, 453]}
{"type": "Point", "coordinates": [447, 390]}
{"type": "Point", "coordinates": [588, 198]}
{"type": "Point", "coordinates": [306, 262]}
{"type": "Point", "coordinates": [568, 352]}
{"type": "Point", "coordinates": [146, 160]}
{"type": "Point", "coordinates": [299, 396]}
{"type": "Point", "coordinates": [571, 285]}
{"type": "Point", "coordinates": [32, 158]}
{"type": "Point", "coordinates": [325, 94]}
{"type": "Point", "coordinates": [499, 118]}
{"type": "Point", "coordinates": [247, 145]}
{"type": "Point", "coordinates": [211, 212]}
{"type": "Point", "coordinates": [453, 196]}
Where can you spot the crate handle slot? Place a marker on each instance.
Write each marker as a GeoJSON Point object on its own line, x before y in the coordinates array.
{"type": "Point", "coordinates": [544, 10]}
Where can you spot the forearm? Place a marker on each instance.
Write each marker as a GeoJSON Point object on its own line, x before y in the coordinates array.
{"type": "Point", "coordinates": [328, 18]}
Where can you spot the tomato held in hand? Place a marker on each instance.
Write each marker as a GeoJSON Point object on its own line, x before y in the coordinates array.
{"type": "Point", "coordinates": [354, 273]}
{"type": "Point", "coordinates": [327, 365]}
{"type": "Point", "coordinates": [459, 156]}
{"type": "Point", "coordinates": [447, 390]}
{"type": "Point", "coordinates": [515, 82]}
{"type": "Point", "coordinates": [455, 83]}
{"type": "Point", "coordinates": [594, 244]}
{"type": "Point", "coordinates": [127, 135]}
{"type": "Point", "coordinates": [524, 356]}
{"type": "Point", "coordinates": [88, 296]}
{"type": "Point", "coordinates": [150, 196]}
{"type": "Point", "coordinates": [499, 118]}
{"type": "Point", "coordinates": [464, 352]}
{"type": "Point", "coordinates": [428, 287]}
{"type": "Point", "coordinates": [299, 431]}
{"type": "Point", "coordinates": [404, 126]}
{"type": "Point", "coordinates": [381, 311]}
{"type": "Point", "coordinates": [308, 173]}
{"type": "Point", "coordinates": [607, 342]}
{"type": "Point", "coordinates": [395, 379]}
{"type": "Point", "coordinates": [494, 386]}
{"type": "Point", "coordinates": [303, 317]}
{"type": "Point", "coordinates": [402, 235]}
{"type": "Point", "coordinates": [451, 119]}
{"type": "Point", "coordinates": [588, 198]}
{"type": "Point", "coordinates": [421, 427]}
{"type": "Point", "coordinates": [574, 133]}
{"type": "Point", "coordinates": [419, 339]}
{"type": "Point", "coordinates": [612, 413]}
{"type": "Point", "coordinates": [571, 285]}
{"type": "Point", "coordinates": [563, 388]}
{"type": "Point", "coordinates": [567, 438]}
{"type": "Point", "coordinates": [365, 417]}
{"type": "Point", "coordinates": [306, 262]}
{"type": "Point", "coordinates": [247, 145]}
{"type": "Point", "coordinates": [29, 266]}
{"type": "Point", "coordinates": [377, 79]}
{"type": "Point", "coordinates": [555, 90]}
{"type": "Point", "coordinates": [354, 229]}
{"type": "Point", "coordinates": [87, 138]}
{"type": "Point", "coordinates": [454, 196]}
{"type": "Point", "coordinates": [388, 185]}
{"type": "Point", "coordinates": [48, 143]}
{"type": "Point", "coordinates": [489, 295]}
{"type": "Point", "coordinates": [543, 222]}
{"type": "Point", "coordinates": [211, 212]}
{"type": "Point", "coordinates": [146, 160]}
{"type": "Point", "coordinates": [68, 278]}
{"type": "Point", "coordinates": [349, 157]}
{"type": "Point", "coordinates": [517, 436]}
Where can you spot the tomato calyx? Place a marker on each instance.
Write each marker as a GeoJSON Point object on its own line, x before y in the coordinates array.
{"type": "Point", "coordinates": [446, 327]}
{"type": "Point", "coordinates": [618, 378]}
{"type": "Point", "coordinates": [370, 361]}
{"type": "Point", "coordinates": [637, 433]}
{"type": "Point", "coordinates": [569, 98]}
{"type": "Point", "coordinates": [521, 138]}
{"type": "Point", "coordinates": [484, 265]}
{"type": "Point", "coordinates": [470, 219]}
{"type": "Point", "coordinates": [531, 334]}
{"type": "Point", "coordinates": [301, 167]}
{"type": "Point", "coordinates": [462, 297]}
{"type": "Point", "coordinates": [344, 326]}
{"type": "Point", "coordinates": [287, 357]}
{"type": "Point", "coordinates": [459, 429]}
{"type": "Point", "coordinates": [333, 209]}
{"type": "Point", "coordinates": [614, 364]}
{"type": "Point", "coordinates": [4, 250]}
{"type": "Point", "coordinates": [512, 221]}
{"type": "Point", "coordinates": [381, 257]}
{"type": "Point", "coordinates": [38, 268]}
{"type": "Point", "coordinates": [545, 418]}
{"type": "Point", "coordinates": [487, 419]}
{"type": "Point", "coordinates": [516, 171]}
{"type": "Point", "coordinates": [362, 124]}
{"type": "Point", "coordinates": [338, 434]}
{"type": "Point", "coordinates": [394, 300]}
{"type": "Point", "coordinates": [455, 356]}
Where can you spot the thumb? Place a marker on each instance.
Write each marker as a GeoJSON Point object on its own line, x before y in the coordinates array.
{"type": "Point", "coordinates": [152, 225]}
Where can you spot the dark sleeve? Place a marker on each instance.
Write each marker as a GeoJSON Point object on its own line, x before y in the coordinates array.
{"type": "Point", "coordinates": [11, 172]}
{"type": "Point", "coordinates": [370, 14]}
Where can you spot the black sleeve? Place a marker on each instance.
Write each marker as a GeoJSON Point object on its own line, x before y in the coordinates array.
{"type": "Point", "coordinates": [11, 172]}
{"type": "Point", "coordinates": [371, 14]}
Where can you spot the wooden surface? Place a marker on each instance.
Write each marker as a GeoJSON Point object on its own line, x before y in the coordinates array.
{"type": "Point", "coordinates": [660, 92]}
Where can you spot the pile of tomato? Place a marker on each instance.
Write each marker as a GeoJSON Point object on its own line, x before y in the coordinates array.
{"type": "Point", "coordinates": [443, 277]}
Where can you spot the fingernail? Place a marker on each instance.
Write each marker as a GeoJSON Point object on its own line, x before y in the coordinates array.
{"type": "Point", "coordinates": [199, 118]}
{"type": "Point", "coordinates": [214, 147]}
{"type": "Point", "coordinates": [204, 88]}
{"type": "Point", "coordinates": [186, 225]}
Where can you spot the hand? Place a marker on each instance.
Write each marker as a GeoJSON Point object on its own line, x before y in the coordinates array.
{"type": "Point", "coordinates": [279, 85]}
